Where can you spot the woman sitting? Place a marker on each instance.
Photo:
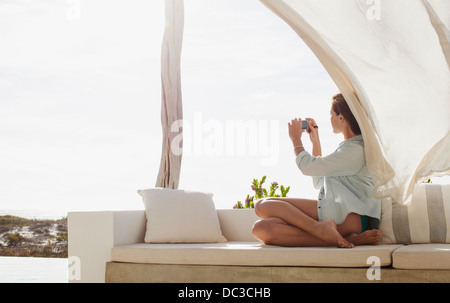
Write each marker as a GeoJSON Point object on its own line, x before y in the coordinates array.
{"type": "Point", "coordinates": [345, 204]}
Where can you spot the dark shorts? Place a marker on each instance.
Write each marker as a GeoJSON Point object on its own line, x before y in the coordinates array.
{"type": "Point", "coordinates": [364, 223]}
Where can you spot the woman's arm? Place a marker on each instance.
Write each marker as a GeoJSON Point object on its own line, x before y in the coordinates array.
{"type": "Point", "coordinates": [317, 149]}
{"type": "Point", "coordinates": [295, 133]}
{"type": "Point", "coordinates": [347, 160]}
{"type": "Point", "coordinates": [313, 132]}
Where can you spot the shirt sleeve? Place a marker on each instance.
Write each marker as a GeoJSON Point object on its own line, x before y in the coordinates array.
{"type": "Point", "coordinates": [345, 161]}
{"type": "Point", "coordinates": [317, 182]}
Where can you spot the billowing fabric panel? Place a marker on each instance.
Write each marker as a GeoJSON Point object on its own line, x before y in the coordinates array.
{"type": "Point", "coordinates": [390, 61]}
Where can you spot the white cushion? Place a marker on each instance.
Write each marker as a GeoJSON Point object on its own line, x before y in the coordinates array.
{"type": "Point", "coordinates": [251, 254]}
{"type": "Point", "coordinates": [422, 256]}
{"type": "Point", "coordinates": [237, 224]}
{"type": "Point", "coordinates": [425, 220]}
{"type": "Point", "coordinates": [178, 216]}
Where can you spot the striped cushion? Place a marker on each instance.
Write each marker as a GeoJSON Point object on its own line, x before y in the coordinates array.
{"type": "Point", "coordinates": [425, 220]}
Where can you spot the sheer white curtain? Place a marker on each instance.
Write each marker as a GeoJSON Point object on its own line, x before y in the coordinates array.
{"type": "Point", "coordinates": [390, 61]}
{"type": "Point", "coordinates": [171, 103]}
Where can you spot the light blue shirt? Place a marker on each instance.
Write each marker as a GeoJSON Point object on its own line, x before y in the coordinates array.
{"type": "Point", "coordinates": [344, 181]}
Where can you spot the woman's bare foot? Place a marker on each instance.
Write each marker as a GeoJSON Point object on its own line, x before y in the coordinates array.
{"type": "Point", "coordinates": [327, 231]}
{"type": "Point", "coordinates": [369, 237]}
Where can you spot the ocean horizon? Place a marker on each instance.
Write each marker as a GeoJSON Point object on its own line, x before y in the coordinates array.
{"type": "Point", "coordinates": [54, 214]}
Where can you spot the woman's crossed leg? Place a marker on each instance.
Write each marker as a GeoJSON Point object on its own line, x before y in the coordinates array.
{"type": "Point", "coordinates": [294, 222]}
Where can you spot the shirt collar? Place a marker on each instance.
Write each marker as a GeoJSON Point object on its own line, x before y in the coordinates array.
{"type": "Point", "coordinates": [357, 138]}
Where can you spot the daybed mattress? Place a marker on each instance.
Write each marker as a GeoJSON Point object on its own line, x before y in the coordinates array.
{"type": "Point", "coordinates": [253, 254]}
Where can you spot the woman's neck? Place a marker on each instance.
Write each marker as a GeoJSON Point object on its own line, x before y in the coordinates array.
{"type": "Point", "coordinates": [348, 134]}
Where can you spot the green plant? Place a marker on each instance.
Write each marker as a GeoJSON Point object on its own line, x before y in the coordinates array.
{"type": "Point", "coordinates": [14, 239]}
{"type": "Point", "coordinates": [60, 237]}
{"type": "Point", "coordinates": [260, 193]}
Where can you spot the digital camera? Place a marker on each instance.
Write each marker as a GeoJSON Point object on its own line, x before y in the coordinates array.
{"type": "Point", "coordinates": [304, 124]}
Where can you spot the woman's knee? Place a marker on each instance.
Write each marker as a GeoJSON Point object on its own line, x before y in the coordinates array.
{"type": "Point", "coordinates": [262, 208]}
{"type": "Point", "coordinates": [262, 230]}
{"type": "Point", "coordinates": [258, 228]}
{"type": "Point", "coordinates": [258, 207]}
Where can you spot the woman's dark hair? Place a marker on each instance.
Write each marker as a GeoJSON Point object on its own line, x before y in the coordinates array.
{"type": "Point", "coordinates": [340, 107]}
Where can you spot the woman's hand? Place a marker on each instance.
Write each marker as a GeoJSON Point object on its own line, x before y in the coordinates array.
{"type": "Point", "coordinates": [313, 130]}
{"type": "Point", "coordinates": [295, 133]}
{"type": "Point", "coordinates": [295, 129]}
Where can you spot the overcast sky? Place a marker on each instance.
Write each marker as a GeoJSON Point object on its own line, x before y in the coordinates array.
{"type": "Point", "coordinates": [80, 101]}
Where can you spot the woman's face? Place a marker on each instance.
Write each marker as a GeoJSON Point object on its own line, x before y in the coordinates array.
{"type": "Point", "coordinates": [335, 122]}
